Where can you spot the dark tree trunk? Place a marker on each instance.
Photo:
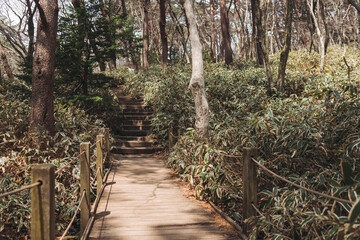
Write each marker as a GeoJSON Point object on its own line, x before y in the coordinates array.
{"type": "Point", "coordinates": [109, 38]}
{"type": "Point", "coordinates": [145, 20]}
{"type": "Point", "coordinates": [42, 98]}
{"type": "Point", "coordinates": [164, 43]}
{"type": "Point", "coordinates": [285, 51]}
{"type": "Point", "coordinates": [5, 63]}
{"type": "Point", "coordinates": [213, 33]}
{"type": "Point", "coordinates": [123, 6]}
{"type": "Point", "coordinates": [256, 17]}
{"type": "Point", "coordinates": [225, 32]}
{"type": "Point", "coordinates": [31, 33]}
{"type": "Point", "coordinates": [82, 25]}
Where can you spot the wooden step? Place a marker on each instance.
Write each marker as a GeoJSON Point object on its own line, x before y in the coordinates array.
{"type": "Point", "coordinates": [129, 99]}
{"type": "Point", "coordinates": [124, 143]}
{"type": "Point", "coordinates": [134, 150]}
{"type": "Point", "coordinates": [134, 133]}
{"type": "Point", "coordinates": [135, 138]}
{"type": "Point", "coordinates": [137, 111]}
{"type": "Point", "coordinates": [135, 117]}
{"type": "Point", "coordinates": [135, 107]}
{"type": "Point", "coordinates": [135, 127]}
{"type": "Point", "coordinates": [135, 122]}
{"type": "Point", "coordinates": [130, 113]}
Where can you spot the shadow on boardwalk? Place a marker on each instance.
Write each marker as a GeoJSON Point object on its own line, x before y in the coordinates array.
{"type": "Point", "coordinates": [144, 202]}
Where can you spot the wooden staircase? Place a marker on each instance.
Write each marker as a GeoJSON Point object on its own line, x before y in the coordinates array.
{"type": "Point", "coordinates": [133, 134]}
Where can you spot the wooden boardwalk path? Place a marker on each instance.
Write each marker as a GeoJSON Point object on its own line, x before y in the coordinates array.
{"type": "Point", "coordinates": [143, 201]}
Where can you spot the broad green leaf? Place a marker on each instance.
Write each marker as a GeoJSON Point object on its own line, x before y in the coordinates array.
{"type": "Point", "coordinates": [354, 212]}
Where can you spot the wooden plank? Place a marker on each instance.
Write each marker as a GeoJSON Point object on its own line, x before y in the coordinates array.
{"type": "Point", "coordinates": [144, 202]}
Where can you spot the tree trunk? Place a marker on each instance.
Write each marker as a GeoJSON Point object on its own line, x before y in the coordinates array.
{"type": "Point", "coordinates": [319, 30]}
{"type": "Point", "coordinates": [263, 37]}
{"type": "Point", "coordinates": [31, 33]}
{"type": "Point", "coordinates": [5, 63]}
{"type": "Point", "coordinates": [225, 32]}
{"type": "Point", "coordinates": [256, 17]}
{"type": "Point", "coordinates": [164, 43]}
{"type": "Point", "coordinates": [145, 20]}
{"type": "Point", "coordinates": [83, 32]}
{"type": "Point", "coordinates": [213, 33]}
{"type": "Point", "coordinates": [42, 98]}
{"type": "Point", "coordinates": [197, 84]}
{"type": "Point", "coordinates": [285, 51]}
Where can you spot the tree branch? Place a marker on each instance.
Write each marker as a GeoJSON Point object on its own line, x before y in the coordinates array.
{"type": "Point", "coordinates": [42, 13]}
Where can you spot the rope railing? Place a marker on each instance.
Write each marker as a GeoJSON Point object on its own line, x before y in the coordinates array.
{"type": "Point", "coordinates": [76, 158]}
{"type": "Point", "coordinates": [271, 173]}
{"type": "Point", "coordinates": [250, 186]}
{"type": "Point", "coordinates": [43, 198]}
{"type": "Point", "coordinates": [74, 216]}
{"type": "Point", "coordinates": [20, 189]}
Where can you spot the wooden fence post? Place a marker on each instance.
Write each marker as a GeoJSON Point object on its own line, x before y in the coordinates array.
{"type": "Point", "coordinates": [99, 162]}
{"type": "Point", "coordinates": [84, 185]}
{"type": "Point", "coordinates": [107, 140]}
{"type": "Point", "coordinates": [249, 185]}
{"type": "Point", "coordinates": [43, 202]}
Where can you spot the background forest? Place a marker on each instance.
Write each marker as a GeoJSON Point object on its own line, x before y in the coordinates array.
{"type": "Point", "coordinates": [281, 76]}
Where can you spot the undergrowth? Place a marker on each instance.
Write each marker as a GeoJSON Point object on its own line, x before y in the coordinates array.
{"type": "Point", "coordinates": [79, 118]}
{"type": "Point", "coordinates": [309, 134]}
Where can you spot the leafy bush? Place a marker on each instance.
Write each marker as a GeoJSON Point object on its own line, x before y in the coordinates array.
{"type": "Point", "coordinates": [75, 122]}
{"type": "Point", "coordinates": [310, 134]}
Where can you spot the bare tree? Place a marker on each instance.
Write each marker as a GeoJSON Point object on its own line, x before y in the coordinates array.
{"type": "Point", "coordinates": [162, 23]}
{"type": "Point", "coordinates": [42, 98]}
{"type": "Point", "coordinates": [145, 20]}
{"type": "Point", "coordinates": [5, 63]}
{"type": "Point", "coordinates": [197, 84]}
{"type": "Point", "coordinates": [213, 33]}
{"type": "Point", "coordinates": [225, 32]}
{"type": "Point", "coordinates": [286, 49]}
{"type": "Point", "coordinates": [320, 29]}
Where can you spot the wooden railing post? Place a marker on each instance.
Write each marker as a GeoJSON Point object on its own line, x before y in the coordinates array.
{"type": "Point", "coordinates": [43, 202]}
{"type": "Point", "coordinates": [99, 162]}
{"type": "Point", "coordinates": [249, 185]}
{"type": "Point", "coordinates": [84, 185]}
{"type": "Point", "coordinates": [107, 140]}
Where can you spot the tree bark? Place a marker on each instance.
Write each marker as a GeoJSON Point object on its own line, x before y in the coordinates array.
{"type": "Point", "coordinates": [213, 33]}
{"type": "Point", "coordinates": [263, 37]}
{"type": "Point", "coordinates": [256, 17]}
{"type": "Point", "coordinates": [285, 51]}
{"type": "Point", "coordinates": [82, 26]}
{"type": "Point", "coordinates": [6, 64]}
{"type": "Point", "coordinates": [145, 20]}
{"type": "Point", "coordinates": [225, 32]}
{"type": "Point", "coordinates": [42, 98]}
{"type": "Point", "coordinates": [31, 33]}
{"type": "Point", "coordinates": [197, 84]}
{"type": "Point", "coordinates": [319, 31]}
{"type": "Point", "coordinates": [164, 43]}
{"type": "Point", "coordinates": [109, 39]}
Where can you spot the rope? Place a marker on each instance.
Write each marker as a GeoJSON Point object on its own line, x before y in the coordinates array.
{"type": "Point", "coordinates": [227, 155]}
{"type": "Point", "coordinates": [20, 189]}
{"type": "Point", "coordinates": [299, 186]}
{"type": "Point", "coordinates": [69, 163]}
{"type": "Point", "coordinates": [73, 218]}
{"type": "Point", "coordinates": [104, 159]}
{"type": "Point", "coordinates": [94, 179]}
{"type": "Point", "coordinates": [94, 144]}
